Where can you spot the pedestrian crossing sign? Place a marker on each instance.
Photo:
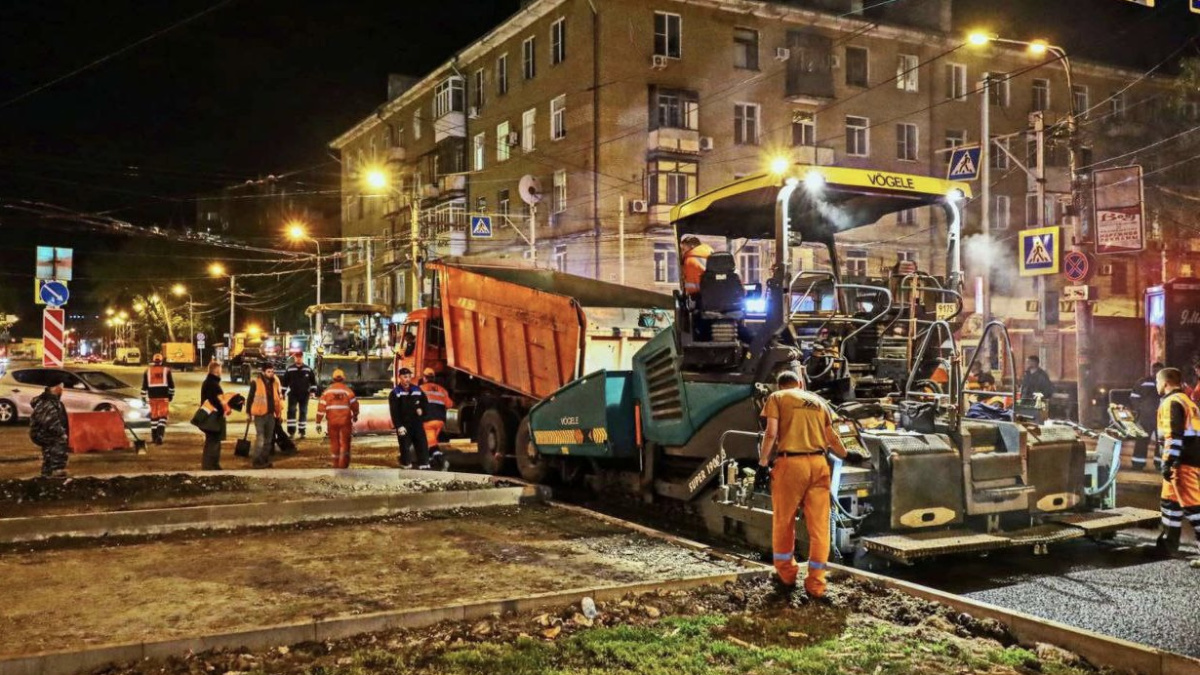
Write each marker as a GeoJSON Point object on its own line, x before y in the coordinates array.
{"type": "Point", "coordinates": [1040, 251]}
{"type": "Point", "coordinates": [964, 163]}
{"type": "Point", "coordinates": [481, 227]}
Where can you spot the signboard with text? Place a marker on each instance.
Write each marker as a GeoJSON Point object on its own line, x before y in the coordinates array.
{"type": "Point", "coordinates": [1120, 211]}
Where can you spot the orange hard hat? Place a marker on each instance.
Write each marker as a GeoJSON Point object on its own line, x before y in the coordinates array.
{"type": "Point", "coordinates": [428, 372]}
{"type": "Point", "coordinates": [157, 358]}
{"type": "Point", "coordinates": [339, 375]}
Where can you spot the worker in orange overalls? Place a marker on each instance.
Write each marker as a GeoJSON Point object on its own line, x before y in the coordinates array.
{"type": "Point", "coordinates": [439, 401]}
{"type": "Point", "coordinates": [340, 406]}
{"type": "Point", "coordinates": [695, 261]}
{"type": "Point", "coordinates": [802, 425]}
{"type": "Point", "coordinates": [158, 387]}
{"type": "Point", "coordinates": [1179, 429]}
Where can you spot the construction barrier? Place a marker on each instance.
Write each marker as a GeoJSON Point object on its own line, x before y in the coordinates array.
{"type": "Point", "coordinates": [373, 418]}
{"type": "Point", "coordinates": [97, 432]}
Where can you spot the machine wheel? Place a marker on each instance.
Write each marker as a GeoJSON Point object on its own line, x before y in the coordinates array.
{"type": "Point", "coordinates": [8, 412]}
{"type": "Point", "coordinates": [532, 466]}
{"type": "Point", "coordinates": [495, 444]}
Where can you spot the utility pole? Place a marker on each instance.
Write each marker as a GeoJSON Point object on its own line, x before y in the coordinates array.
{"type": "Point", "coordinates": [533, 233]}
{"type": "Point", "coordinates": [985, 216]}
{"type": "Point", "coordinates": [621, 235]}
{"type": "Point", "coordinates": [1039, 282]}
{"type": "Point", "coordinates": [370, 271]}
{"type": "Point", "coordinates": [232, 308]}
{"type": "Point", "coordinates": [320, 318]}
{"type": "Point", "coordinates": [414, 248]}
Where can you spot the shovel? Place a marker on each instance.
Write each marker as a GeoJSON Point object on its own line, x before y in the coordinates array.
{"type": "Point", "coordinates": [139, 445]}
{"type": "Point", "coordinates": [242, 447]}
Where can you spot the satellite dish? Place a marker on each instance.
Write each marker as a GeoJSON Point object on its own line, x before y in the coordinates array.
{"type": "Point", "coordinates": [530, 189]}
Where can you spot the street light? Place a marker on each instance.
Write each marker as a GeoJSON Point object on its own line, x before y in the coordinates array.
{"type": "Point", "coordinates": [377, 179]}
{"type": "Point", "coordinates": [218, 270]}
{"type": "Point", "coordinates": [297, 232]}
{"type": "Point", "coordinates": [179, 290]}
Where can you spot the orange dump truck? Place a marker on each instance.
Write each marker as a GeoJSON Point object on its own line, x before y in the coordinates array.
{"type": "Point", "coordinates": [502, 338]}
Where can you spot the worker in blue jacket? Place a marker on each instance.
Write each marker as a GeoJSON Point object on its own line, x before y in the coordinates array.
{"type": "Point", "coordinates": [407, 404]}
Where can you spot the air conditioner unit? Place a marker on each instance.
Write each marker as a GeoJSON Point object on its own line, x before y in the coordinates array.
{"type": "Point", "coordinates": [782, 53]}
{"type": "Point", "coordinates": [658, 62]}
{"type": "Point", "coordinates": [638, 206]}
{"type": "Point", "coordinates": [706, 143]}
{"type": "Point", "coordinates": [473, 113]}
{"type": "Point", "coordinates": [1106, 270]}
{"type": "Point", "coordinates": [514, 138]}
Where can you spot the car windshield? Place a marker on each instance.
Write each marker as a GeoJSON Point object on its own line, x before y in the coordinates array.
{"type": "Point", "coordinates": [102, 381]}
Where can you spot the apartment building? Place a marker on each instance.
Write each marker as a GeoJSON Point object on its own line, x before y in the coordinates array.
{"type": "Point", "coordinates": [622, 108]}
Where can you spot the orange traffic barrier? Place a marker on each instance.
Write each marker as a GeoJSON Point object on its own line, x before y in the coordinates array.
{"type": "Point", "coordinates": [373, 419]}
{"type": "Point", "coordinates": [97, 432]}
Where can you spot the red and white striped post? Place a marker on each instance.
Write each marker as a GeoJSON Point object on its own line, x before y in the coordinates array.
{"type": "Point", "coordinates": [54, 323]}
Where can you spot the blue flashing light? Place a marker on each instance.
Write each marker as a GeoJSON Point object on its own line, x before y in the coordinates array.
{"type": "Point", "coordinates": [755, 305]}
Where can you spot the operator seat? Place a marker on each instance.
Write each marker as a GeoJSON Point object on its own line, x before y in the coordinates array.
{"type": "Point", "coordinates": [717, 315]}
{"type": "Point", "coordinates": [721, 291]}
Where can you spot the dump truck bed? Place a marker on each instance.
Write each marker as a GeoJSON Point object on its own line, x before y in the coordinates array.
{"type": "Point", "coordinates": [531, 331]}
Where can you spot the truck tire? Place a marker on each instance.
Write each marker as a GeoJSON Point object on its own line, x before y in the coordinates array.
{"type": "Point", "coordinates": [495, 443]}
{"type": "Point", "coordinates": [532, 466]}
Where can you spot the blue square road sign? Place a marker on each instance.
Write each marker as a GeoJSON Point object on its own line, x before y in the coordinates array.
{"type": "Point", "coordinates": [481, 227]}
{"type": "Point", "coordinates": [964, 163]}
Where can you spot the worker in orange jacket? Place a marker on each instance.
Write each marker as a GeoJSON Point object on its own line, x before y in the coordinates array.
{"type": "Point", "coordinates": [695, 261]}
{"type": "Point", "coordinates": [1179, 429]}
{"type": "Point", "coordinates": [438, 402]}
{"type": "Point", "coordinates": [801, 422]}
{"type": "Point", "coordinates": [158, 386]}
{"type": "Point", "coordinates": [340, 406]}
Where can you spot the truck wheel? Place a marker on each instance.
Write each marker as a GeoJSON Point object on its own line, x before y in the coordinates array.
{"type": "Point", "coordinates": [532, 466]}
{"type": "Point", "coordinates": [494, 442]}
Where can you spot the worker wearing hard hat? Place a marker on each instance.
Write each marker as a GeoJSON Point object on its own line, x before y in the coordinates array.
{"type": "Point", "coordinates": [340, 406]}
{"type": "Point", "coordinates": [695, 261]}
{"type": "Point", "coordinates": [1179, 429]}
{"type": "Point", "coordinates": [438, 399]}
{"type": "Point", "coordinates": [158, 387]}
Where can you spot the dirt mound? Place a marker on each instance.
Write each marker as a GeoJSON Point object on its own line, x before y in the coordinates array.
{"type": "Point", "coordinates": [116, 488]}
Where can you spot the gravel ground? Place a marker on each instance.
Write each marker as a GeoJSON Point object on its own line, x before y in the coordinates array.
{"type": "Point", "coordinates": [1116, 590]}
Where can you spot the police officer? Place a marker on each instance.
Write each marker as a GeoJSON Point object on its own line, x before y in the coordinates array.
{"type": "Point", "coordinates": [407, 405]}
{"type": "Point", "coordinates": [802, 425]}
{"type": "Point", "coordinates": [1179, 430]}
{"type": "Point", "coordinates": [158, 386]}
{"type": "Point", "coordinates": [299, 384]}
{"type": "Point", "coordinates": [1143, 399]}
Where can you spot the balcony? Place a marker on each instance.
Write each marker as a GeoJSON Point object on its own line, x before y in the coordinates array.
{"type": "Point", "coordinates": [450, 183]}
{"type": "Point", "coordinates": [397, 155]}
{"type": "Point", "coordinates": [450, 125]}
{"type": "Point", "coordinates": [679, 141]}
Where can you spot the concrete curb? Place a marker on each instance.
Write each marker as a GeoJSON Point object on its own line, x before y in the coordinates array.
{"type": "Point", "coordinates": [67, 663]}
{"type": "Point", "coordinates": [230, 516]}
{"type": "Point", "coordinates": [1099, 650]}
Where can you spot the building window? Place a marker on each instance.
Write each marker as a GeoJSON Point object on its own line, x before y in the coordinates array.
{"type": "Point", "coordinates": [558, 117]}
{"type": "Point", "coordinates": [1117, 105]}
{"type": "Point", "coordinates": [745, 124]}
{"type": "Point", "coordinates": [560, 257]}
{"type": "Point", "coordinates": [856, 262]}
{"type": "Point", "coordinates": [955, 138]}
{"type": "Point", "coordinates": [481, 205]}
{"type": "Point", "coordinates": [477, 94]}
{"type": "Point", "coordinates": [999, 158]}
{"type": "Point", "coordinates": [906, 256]}
{"type": "Point", "coordinates": [906, 142]}
{"type": "Point", "coordinates": [480, 150]}
{"type": "Point", "coordinates": [749, 263]}
{"type": "Point", "coordinates": [907, 71]}
{"type": "Point", "coordinates": [856, 67]}
{"type": "Point", "coordinates": [1001, 212]}
{"type": "Point", "coordinates": [668, 35]}
{"type": "Point", "coordinates": [906, 217]}
{"type": "Point", "coordinates": [502, 75]}
{"type": "Point", "coordinates": [745, 48]}
{"type": "Point", "coordinates": [416, 125]}
{"type": "Point", "coordinates": [666, 264]}
{"type": "Point", "coordinates": [1041, 94]}
{"type": "Point", "coordinates": [529, 130]}
{"type": "Point", "coordinates": [1081, 98]}
{"type": "Point", "coordinates": [998, 89]}
{"type": "Point", "coordinates": [804, 128]}
{"type": "Point", "coordinates": [502, 202]}
{"type": "Point", "coordinates": [672, 182]}
{"type": "Point", "coordinates": [559, 198]}
{"type": "Point", "coordinates": [529, 58]}
{"type": "Point", "coordinates": [674, 109]}
{"type": "Point", "coordinates": [1120, 278]}
{"type": "Point", "coordinates": [956, 81]}
{"type": "Point", "coordinates": [448, 97]}
{"type": "Point", "coordinates": [503, 148]}
{"type": "Point", "coordinates": [558, 42]}
{"type": "Point", "coordinates": [858, 136]}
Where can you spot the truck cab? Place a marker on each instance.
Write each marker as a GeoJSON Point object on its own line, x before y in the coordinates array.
{"type": "Point", "coordinates": [420, 342]}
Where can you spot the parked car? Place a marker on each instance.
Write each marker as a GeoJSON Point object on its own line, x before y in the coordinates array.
{"type": "Point", "coordinates": [83, 391]}
{"type": "Point", "coordinates": [128, 356]}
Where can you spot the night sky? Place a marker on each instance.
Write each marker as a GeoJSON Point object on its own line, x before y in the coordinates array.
{"type": "Point", "coordinates": [258, 87]}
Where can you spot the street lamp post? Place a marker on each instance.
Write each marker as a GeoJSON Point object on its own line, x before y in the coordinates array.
{"type": "Point", "coordinates": [298, 232]}
{"type": "Point", "coordinates": [180, 290]}
{"type": "Point", "coordinates": [218, 270]}
{"type": "Point", "coordinates": [379, 181]}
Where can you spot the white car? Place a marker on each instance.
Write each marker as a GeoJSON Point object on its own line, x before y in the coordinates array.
{"type": "Point", "coordinates": [83, 391]}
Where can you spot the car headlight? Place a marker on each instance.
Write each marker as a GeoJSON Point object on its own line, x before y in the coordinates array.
{"type": "Point", "coordinates": [135, 403]}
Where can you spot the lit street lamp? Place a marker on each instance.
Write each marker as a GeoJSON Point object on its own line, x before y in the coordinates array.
{"type": "Point", "coordinates": [179, 290]}
{"type": "Point", "coordinates": [218, 270]}
{"type": "Point", "coordinates": [297, 232]}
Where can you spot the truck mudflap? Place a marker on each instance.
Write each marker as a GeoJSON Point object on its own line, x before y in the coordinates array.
{"type": "Point", "coordinates": [914, 546]}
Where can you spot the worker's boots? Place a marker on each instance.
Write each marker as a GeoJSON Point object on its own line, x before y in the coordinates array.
{"type": "Point", "coordinates": [156, 435]}
{"type": "Point", "coordinates": [1168, 542]}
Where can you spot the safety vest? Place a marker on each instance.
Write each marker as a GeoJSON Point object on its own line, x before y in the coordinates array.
{"type": "Point", "coordinates": [439, 401]}
{"type": "Point", "coordinates": [695, 262]}
{"type": "Point", "coordinates": [1185, 447]}
{"type": "Point", "coordinates": [338, 404]}
{"type": "Point", "coordinates": [259, 391]}
{"type": "Point", "coordinates": [157, 376]}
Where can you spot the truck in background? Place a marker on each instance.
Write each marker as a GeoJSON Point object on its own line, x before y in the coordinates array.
{"type": "Point", "coordinates": [500, 339]}
{"type": "Point", "coordinates": [179, 355]}
{"type": "Point", "coordinates": [127, 356]}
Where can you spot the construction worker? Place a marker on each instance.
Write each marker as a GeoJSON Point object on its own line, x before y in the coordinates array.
{"type": "Point", "coordinates": [266, 405]}
{"type": "Point", "coordinates": [1143, 399]}
{"type": "Point", "coordinates": [407, 405]}
{"type": "Point", "coordinates": [438, 399]}
{"type": "Point", "coordinates": [158, 386]}
{"type": "Point", "coordinates": [1179, 430]}
{"type": "Point", "coordinates": [802, 425]}
{"type": "Point", "coordinates": [340, 406]}
{"type": "Point", "coordinates": [695, 261]}
{"type": "Point", "coordinates": [299, 384]}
